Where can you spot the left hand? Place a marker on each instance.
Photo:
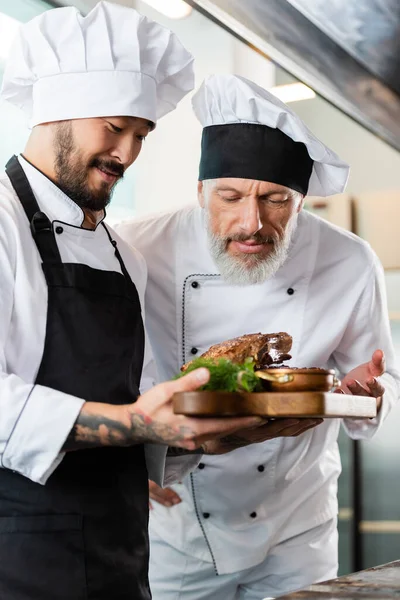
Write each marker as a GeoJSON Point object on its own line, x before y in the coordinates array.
{"type": "Point", "coordinates": [271, 429]}
{"type": "Point", "coordinates": [362, 381]}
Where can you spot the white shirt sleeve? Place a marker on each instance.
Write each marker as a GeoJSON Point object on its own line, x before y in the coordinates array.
{"type": "Point", "coordinates": [162, 469]}
{"type": "Point", "coordinates": [34, 420]}
{"type": "Point", "coordinates": [367, 331]}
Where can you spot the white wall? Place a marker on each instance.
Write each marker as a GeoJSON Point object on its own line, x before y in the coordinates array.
{"type": "Point", "coordinates": [166, 172]}
{"type": "Point", "coordinates": [374, 164]}
{"type": "Point", "coordinates": [374, 167]}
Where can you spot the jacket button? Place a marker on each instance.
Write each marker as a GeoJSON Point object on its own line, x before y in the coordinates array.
{"type": "Point", "coordinates": [201, 465]}
{"type": "Point", "coordinates": [59, 229]}
{"type": "Point", "coordinates": [194, 351]}
{"type": "Point", "coordinates": [253, 515]}
{"type": "Point", "coordinates": [261, 468]}
{"type": "Point", "coordinates": [195, 284]}
{"type": "Point", "coordinates": [290, 291]}
{"type": "Point", "coordinates": [206, 515]}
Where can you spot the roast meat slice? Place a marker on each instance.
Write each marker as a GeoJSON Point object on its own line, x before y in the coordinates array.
{"type": "Point", "coordinates": [265, 348]}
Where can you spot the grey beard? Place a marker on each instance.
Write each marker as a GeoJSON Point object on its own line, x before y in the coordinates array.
{"type": "Point", "coordinates": [249, 269]}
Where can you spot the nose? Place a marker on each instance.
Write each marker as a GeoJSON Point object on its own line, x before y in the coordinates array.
{"type": "Point", "coordinates": [250, 221]}
{"type": "Point", "coordinates": [125, 151]}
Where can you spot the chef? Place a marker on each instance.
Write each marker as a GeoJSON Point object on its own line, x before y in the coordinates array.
{"type": "Point", "coordinates": [262, 520]}
{"type": "Point", "coordinates": [73, 358]}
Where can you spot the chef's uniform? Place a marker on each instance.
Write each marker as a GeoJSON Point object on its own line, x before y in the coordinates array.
{"type": "Point", "coordinates": [261, 520]}
{"type": "Point", "coordinates": [71, 330]}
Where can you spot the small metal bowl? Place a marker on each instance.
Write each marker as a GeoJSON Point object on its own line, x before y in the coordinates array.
{"type": "Point", "coordinates": [285, 379]}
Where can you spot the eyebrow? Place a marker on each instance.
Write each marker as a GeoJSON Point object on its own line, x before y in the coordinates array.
{"type": "Point", "coordinates": [149, 124]}
{"type": "Point", "coordinates": [229, 188]}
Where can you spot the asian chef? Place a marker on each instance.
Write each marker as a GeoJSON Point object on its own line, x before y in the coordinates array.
{"type": "Point", "coordinates": [260, 521]}
{"type": "Point", "coordinates": [73, 501]}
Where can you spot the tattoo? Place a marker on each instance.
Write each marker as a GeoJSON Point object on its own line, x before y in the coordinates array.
{"type": "Point", "coordinates": [92, 431]}
{"type": "Point", "coordinates": [95, 430]}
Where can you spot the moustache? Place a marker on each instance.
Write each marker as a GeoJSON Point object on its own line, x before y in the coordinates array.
{"type": "Point", "coordinates": [256, 237]}
{"type": "Point", "coordinates": [109, 166]}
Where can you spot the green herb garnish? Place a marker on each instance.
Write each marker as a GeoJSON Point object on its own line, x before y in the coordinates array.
{"type": "Point", "coordinates": [227, 376]}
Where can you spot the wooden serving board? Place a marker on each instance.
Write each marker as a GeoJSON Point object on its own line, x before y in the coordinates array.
{"type": "Point", "coordinates": [274, 404]}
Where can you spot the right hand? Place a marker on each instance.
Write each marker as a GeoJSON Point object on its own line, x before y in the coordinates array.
{"type": "Point", "coordinates": [152, 420]}
{"type": "Point", "coordinates": [165, 496]}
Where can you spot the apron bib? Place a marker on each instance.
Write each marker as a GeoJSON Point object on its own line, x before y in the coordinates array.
{"type": "Point", "coordinates": [82, 536]}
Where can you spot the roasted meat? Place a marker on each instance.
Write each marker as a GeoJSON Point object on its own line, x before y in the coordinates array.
{"type": "Point", "coordinates": [265, 348]}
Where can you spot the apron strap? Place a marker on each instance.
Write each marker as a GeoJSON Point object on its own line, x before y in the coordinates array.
{"type": "Point", "coordinates": [41, 227]}
{"type": "Point", "coordinates": [117, 254]}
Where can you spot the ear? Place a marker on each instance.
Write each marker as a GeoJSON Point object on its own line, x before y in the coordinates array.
{"type": "Point", "coordinates": [301, 203]}
{"type": "Point", "coordinates": [200, 195]}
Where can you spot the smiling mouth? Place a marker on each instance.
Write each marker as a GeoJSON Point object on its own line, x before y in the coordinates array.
{"type": "Point", "coordinates": [109, 176]}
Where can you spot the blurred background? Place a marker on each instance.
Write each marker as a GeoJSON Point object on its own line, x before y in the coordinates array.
{"type": "Point", "coordinates": [338, 64]}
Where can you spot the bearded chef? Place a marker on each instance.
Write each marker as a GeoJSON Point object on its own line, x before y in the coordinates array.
{"type": "Point", "coordinates": [262, 520]}
{"type": "Point", "coordinates": [73, 525]}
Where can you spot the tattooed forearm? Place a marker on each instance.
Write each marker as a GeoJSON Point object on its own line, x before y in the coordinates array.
{"type": "Point", "coordinates": [92, 431]}
{"type": "Point", "coordinates": [106, 425]}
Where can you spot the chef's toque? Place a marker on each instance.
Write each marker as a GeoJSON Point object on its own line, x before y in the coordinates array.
{"type": "Point", "coordinates": [112, 62]}
{"type": "Point", "coordinates": [248, 133]}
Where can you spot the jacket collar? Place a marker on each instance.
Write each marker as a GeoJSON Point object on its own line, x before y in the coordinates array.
{"type": "Point", "coordinates": [52, 200]}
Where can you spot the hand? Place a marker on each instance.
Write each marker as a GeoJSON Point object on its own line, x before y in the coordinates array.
{"type": "Point", "coordinates": [362, 381]}
{"type": "Point", "coordinates": [271, 429]}
{"type": "Point", "coordinates": [164, 496]}
{"type": "Point", "coordinates": [151, 418]}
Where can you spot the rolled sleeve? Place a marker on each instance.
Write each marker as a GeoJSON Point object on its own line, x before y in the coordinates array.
{"type": "Point", "coordinates": [33, 448]}
{"type": "Point", "coordinates": [177, 467]}
{"type": "Point", "coordinates": [368, 331]}
{"type": "Point", "coordinates": [363, 429]}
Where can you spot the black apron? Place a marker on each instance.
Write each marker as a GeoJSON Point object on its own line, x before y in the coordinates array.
{"type": "Point", "coordinates": [82, 536]}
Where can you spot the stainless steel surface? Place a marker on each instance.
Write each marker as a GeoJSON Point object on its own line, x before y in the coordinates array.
{"type": "Point", "coordinates": [381, 582]}
{"type": "Point", "coordinates": [358, 71]}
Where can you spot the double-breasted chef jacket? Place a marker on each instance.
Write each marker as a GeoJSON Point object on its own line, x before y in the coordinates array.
{"type": "Point", "coordinates": [330, 297]}
{"type": "Point", "coordinates": [71, 329]}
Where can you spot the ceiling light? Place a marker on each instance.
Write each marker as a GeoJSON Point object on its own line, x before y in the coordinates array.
{"type": "Point", "coordinates": [292, 92]}
{"type": "Point", "coordinates": [8, 30]}
{"type": "Point", "coordinates": [174, 9]}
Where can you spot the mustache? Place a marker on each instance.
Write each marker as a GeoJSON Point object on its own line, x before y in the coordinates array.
{"type": "Point", "coordinates": [108, 165]}
{"type": "Point", "coordinates": [256, 237]}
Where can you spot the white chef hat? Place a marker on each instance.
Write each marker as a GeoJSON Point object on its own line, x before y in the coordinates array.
{"type": "Point", "coordinates": [113, 62]}
{"type": "Point", "coordinates": [248, 133]}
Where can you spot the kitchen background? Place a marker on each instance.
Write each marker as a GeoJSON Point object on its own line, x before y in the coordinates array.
{"type": "Point", "coordinates": [165, 177]}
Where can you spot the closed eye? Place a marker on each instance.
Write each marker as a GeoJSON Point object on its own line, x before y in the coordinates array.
{"type": "Point", "coordinates": [114, 128]}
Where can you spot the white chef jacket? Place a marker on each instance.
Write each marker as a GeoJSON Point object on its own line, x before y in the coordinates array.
{"type": "Point", "coordinates": [330, 297]}
{"type": "Point", "coordinates": [36, 420]}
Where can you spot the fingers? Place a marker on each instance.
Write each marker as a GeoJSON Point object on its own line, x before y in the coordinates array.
{"type": "Point", "coordinates": [356, 388]}
{"type": "Point", "coordinates": [376, 389]}
{"type": "Point", "coordinates": [275, 428]}
{"type": "Point", "coordinates": [310, 425]}
{"type": "Point", "coordinates": [378, 363]}
{"type": "Point", "coordinates": [211, 428]}
{"type": "Point", "coordinates": [165, 496]}
{"type": "Point", "coordinates": [289, 427]}
{"type": "Point", "coordinates": [301, 427]}
{"type": "Point", "coordinates": [188, 383]}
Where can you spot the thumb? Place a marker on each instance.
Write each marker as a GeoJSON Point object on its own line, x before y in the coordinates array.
{"type": "Point", "coordinates": [188, 383]}
{"type": "Point", "coordinates": [378, 363]}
